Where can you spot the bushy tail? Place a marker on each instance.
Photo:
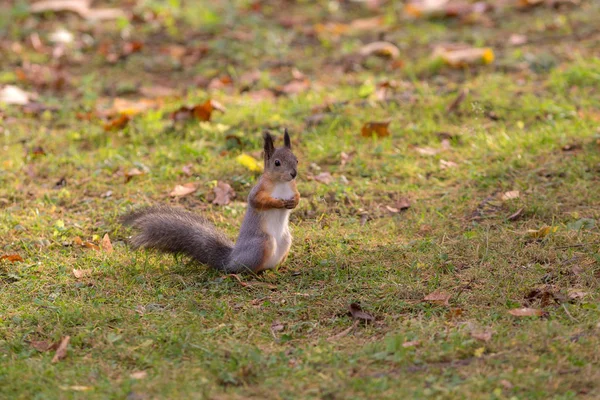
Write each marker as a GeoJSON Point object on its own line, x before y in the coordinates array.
{"type": "Point", "coordinates": [177, 231]}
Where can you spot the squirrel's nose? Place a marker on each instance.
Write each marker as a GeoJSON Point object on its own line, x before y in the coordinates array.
{"type": "Point", "coordinates": [293, 174]}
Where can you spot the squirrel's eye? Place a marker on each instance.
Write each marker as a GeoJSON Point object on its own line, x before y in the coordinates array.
{"type": "Point", "coordinates": [277, 163]}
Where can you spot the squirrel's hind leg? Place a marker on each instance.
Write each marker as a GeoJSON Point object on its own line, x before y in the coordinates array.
{"type": "Point", "coordinates": [251, 256]}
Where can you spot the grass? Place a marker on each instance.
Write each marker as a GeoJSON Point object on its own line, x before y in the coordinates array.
{"type": "Point", "coordinates": [529, 123]}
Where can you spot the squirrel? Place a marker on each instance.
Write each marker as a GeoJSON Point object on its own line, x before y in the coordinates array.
{"type": "Point", "coordinates": [264, 240]}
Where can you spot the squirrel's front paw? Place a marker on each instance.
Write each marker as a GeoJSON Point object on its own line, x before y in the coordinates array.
{"type": "Point", "coordinates": [290, 203]}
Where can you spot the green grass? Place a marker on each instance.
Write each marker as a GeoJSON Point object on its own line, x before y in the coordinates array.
{"type": "Point", "coordinates": [527, 124]}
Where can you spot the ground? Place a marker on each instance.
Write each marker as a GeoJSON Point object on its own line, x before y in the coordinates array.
{"type": "Point", "coordinates": [478, 200]}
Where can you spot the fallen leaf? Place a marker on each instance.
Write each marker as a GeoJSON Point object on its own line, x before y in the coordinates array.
{"type": "Point", "coordinates": [183, 190]}
{"type": "Point", "coordinates": [106, 244]}
{"type": "Point", "coordinates": [277, 326]}
{"type": "Point", "coordinates": [438, 297]}
{"type": "Point", "coordinates": [379, 129]}
{"type": "Point", "coordinates": [576, 294]}
{"type": "Point", "coordinates": [82, 273]}
{"type": "Point", "coordinates": [463, 57]}
{"type": "Point", "coordinates": [412, 343]}
{"type": "Point", "coordinates": [188, 169]}
{"type": "Point", "coordinates": [324, 177]}
{"type": "Point", "coordinates": [344, 332]}
{"type": "Point", "coordinates": [358, 314]}
{"type": "Point", "coordinates": [506, 384]}
{"type": "Point", "coordinates": [79, 7]}
{"type": "Point", "coordinates": [10, 94]}
{"type": "Point", "coordinates": [365, 24]}
{"type": "Point", "coordinates": [542, 232]}
{"type": "Point", "coordinates": [527, 312]}
{"type": "Point", "coordinates": [76, 388]}
{"type": "Point", "coordinates": [133, 107]}
{"type": "Point", "coordinates": [138, 375]}
{"type": "Point", "coordinates": [261, 94]}
{"type": "Point", "coordinates": [223, 194]}
{"type": "Point", "coordinates": [157, 91]}
{"type": "Point", "coordinates": [42, 345]}
{"type": "Point", "coordinates": [484, 336]}
{"type": "Point", "coordinates": [201, 112]}
{"type": "Point", "coordinates": [37, 151]}
{"type": "Point", "coordinates": [61, 351]}
{"type": "Point", "coordinates": [517, 40]}
{"type": "Point", "coordinates": [426, 151]}
{"type": "Point", "coordinates": [454, 313]}
{"type": "Point", "coordinates": [479, 352]}
{"type": "Point", "coordinates": [295, 87]}
{"type": "Point", "coordinates": [131, 173]}
{"type": "Point", "coordinates": [513, 194]}
{"type": "Point", "coordinates": [514, 216]}
{"type": "Point", "coordinates": [249, 162]}
{"type": "Point", "coordinates": [453, 107]}
{"type": "Point", "coordinates": [382, 49]}
{"type": "Point", "coordinates": [447, 164]}
{"type": "Point", "coordinates": [12, 257]}
{"type": "Point", "coordinates": [117, 123]}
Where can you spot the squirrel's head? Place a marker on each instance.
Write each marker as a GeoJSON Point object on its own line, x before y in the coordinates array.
{"type": "Point", "coordinates": [280, 163]}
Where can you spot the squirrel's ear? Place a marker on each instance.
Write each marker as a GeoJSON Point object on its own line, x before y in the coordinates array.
{"type": "Point", "coordinates": [269, 148]}
{"type": "Point", "coordinates": [286, 139]}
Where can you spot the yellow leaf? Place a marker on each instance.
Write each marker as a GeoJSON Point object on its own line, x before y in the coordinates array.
{"type": "Point", "coordinates": [249, 162]}
{"type": "Point", "coordinates": [542, 232]}
{"type": "Point", "coordinates": [479, 352]}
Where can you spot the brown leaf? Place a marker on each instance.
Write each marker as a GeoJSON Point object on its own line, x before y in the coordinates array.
{"type": "Point", "coordinates": [61, 351]}
{"type": "Point", "coordinates": [202, 112]}
{"type": "Point", "coordinates": [131, 173]}
{"type": "Point", "coordinates": [576, 294]}
{"type": "Point", "coordinates": [88, 245]}
{"type": "Point", "coordinates": [12, 257]}
{"type": "Point", "coordinates": [514, 216]}
{"type": "Point", "coordinates": [117, 123]}
{"type": "Point", "coordinates": [277, 326]}
{"type": "Point", "coordinates": [379, 129]}
{"type": "Point", "coordinates": [382, 49]}
{"type": "Point", "coordinates": [324, 177]}
{"type": "Point", "coordinates": [344, 332]}
{"type": "Point", "coordinates": [188, 169]}
{"type": "Point", "coordinates": [42, 345]}
{"type": "Point", "coordinates": [527, 312]}
{"type": "Point", "coordinates": [183, 190]}
{"type": "Point", "coordinates": [295, 87]}
{"type": "Point", "coordinates": [426, 151]}
{"type": "Point", "coordinates": [517, 40]}
{"type": "Point", "coordinates": [223, 194]}
{"type": "Point", "coordinates": [460, 57]}
{"type": "Point", "coordinates": [438, 297]}
{"type": "Point", "coordinates": [454, 313]}
{"type": "Point", "coordinates": [82, 273]}
{"type": "Point", "coordinates": [367, 24]}
{"type": "Point", "coordinates": [513, 194]}
{"type": "Point", "coordinates": [412, 343]}
{"type": "Point", "coordinates": [80, 7]}
{"type": "Point", "coordinates": [453, 107]}
{"type": "Point", "coordinates": [138, 375]}
{"type": "Point", "coordinates": [157, 91]}
{"type": "Point", "coordinates": [106, 244]}
{"type": "Point", "coordinates": [484, 336]}
{"type": "Point", "coordinates": [447, 164]}
{"type": "Point", "coordinates": [360, 315]}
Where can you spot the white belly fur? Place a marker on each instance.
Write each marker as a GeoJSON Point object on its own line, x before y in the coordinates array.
{"type": "Point", "coordinates": [276, 225]}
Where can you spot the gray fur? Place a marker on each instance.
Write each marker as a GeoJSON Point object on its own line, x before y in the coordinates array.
{"type": "Point", "coordinates": [175, 230]}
